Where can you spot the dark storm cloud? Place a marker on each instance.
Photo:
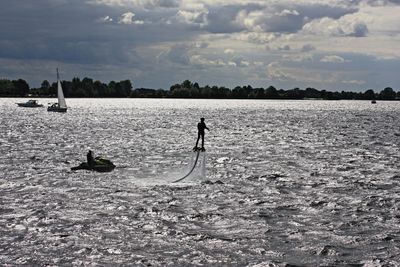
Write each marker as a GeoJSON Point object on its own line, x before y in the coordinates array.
{"type": "Point", "coordinates": [72, 31]}
{"type": "Point", "coordinates": [49, 30]}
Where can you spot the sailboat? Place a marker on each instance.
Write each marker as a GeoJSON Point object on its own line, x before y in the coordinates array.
{"type": "Point", "coordinates": [61, 106]}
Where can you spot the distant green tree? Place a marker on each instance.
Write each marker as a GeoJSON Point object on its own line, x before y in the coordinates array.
{"type": "Point", "coordinates": [45, 85]}
{"type": "Point", "coordinates": [187, 84]}
{"type": "Point", "coordinates": [369, 95]}
{"type": "Point", "coordinates": [271, 93]}
{"type": "Point", "coordinates": [295, 93]}
{"type": "Point", "coordinates": [21, 87]}
{"type": "Point", "coordinates": [257, 93]}
{"type": "Point", "coordinates": [67, 88]}
{"type": "Point", "coordinates": [53, 90]}
{"type": "Point", "coordinates": [312, 93]}
{"type": "Point", "coordinates": [7, 88]}
{"type": "Point", "coordinates": [205, 92]}
{"type": "Point", "coordinates": [99, 89]}
{"type": "Point", "coordinates": [88, 87]}
{"type": "Point", "coordinates": [111, 89]}
{"type": "Point", "coordinates": [125, 88]}
{"type": "Point", "coordinates": [241, 92]}
{"type": "Point", "coordinates": [387, 94]}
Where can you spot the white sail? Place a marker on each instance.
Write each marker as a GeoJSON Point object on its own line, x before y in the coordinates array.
{"type": "Point", "coordinates": [60, 94]}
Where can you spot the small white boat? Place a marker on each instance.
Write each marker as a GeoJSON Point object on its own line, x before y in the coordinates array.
{"type": "Point", "coordinates": [61, 105]}
{"type": "Point", "coordinates": [30, 104]}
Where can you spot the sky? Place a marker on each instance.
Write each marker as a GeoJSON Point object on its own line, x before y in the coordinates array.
{"type": "Point", "coordinates": [350, 45]}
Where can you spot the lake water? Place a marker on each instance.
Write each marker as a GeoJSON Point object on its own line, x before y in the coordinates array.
{"type": "Point", "coordinates": [288, 183]}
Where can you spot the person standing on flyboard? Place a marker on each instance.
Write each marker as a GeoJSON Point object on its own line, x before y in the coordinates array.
{"type": "Point", "coordinates": [201, 126]}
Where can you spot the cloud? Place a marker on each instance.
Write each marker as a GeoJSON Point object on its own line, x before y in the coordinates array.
{"type": "Point", "coordinates": [210, 40]}
{"type": "Point", "coordinates": [307, 48]}
{"type": "Point", "coordinates": [345, 26]}
{"type": "Point", "coordinates": [127, 18]}
{"type": "Point", "coordinates": [204, 62]}
{"type": "Point", "coordinates": [192, 17]}
{"type": "Point", "coordinates": [106, 19]}
{"type": "Point", "coordinates": [277, 18]}
{"type": "Point", "coordinates": [256, 38]}
{"type": "Point", "coordinates": [201, 45]}
{"type": "Point", "coordinates": [275, 71]}
{"type": "Point", "coordinates": [229, 51]}
{"type": "Point", "coordinates": [284, 47]}
{"type": "Point", "coordinates": [178, 53]}
{"type": "Point", "coordinates": [379, 2]}
{"type": "Point", "coordinates": [333, 59]}
{"type": "Point", "coordinates": [287, 12]}
{"type": "Point", "coordinates": [356, 82]}
{"type": "Point", "coordinates": [299, 58]}
{"type": "Point", "coordinates": [269, 21]}
{"type": "Point", "coordinates": [146, 4]}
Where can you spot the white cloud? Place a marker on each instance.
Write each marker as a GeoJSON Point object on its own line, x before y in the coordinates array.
{"type": "Point", "coordinates": [333, 59]}
{"type": "Point", "coordinates": [287, 12]}
{"type": "Point", "coordinates": [192, 17]}
{"type": "Point", "coordinates": [346, 26]}
{"type": "Point", "coordinates": [256, 38]}
{"type": "Point", "coordinates": [147, 4]}
{"type": "Point", "coordinates": [106, 19]}
{"type": "Point", "coordinates": [202, 61]}
{"type": "Point", "coordinates": [356, 82]}
{"type": "Point", "coordinates": [127, 18]}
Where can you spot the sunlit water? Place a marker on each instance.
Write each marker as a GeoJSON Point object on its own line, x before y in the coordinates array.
{"type": "Point", "coordinates": [303, 183]}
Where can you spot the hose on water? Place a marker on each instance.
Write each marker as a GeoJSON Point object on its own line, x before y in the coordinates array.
{"type": "Point", "coordinates": [194, 166]}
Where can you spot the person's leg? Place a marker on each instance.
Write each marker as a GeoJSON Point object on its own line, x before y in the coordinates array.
{"type": "Point", "coordinates": [198, 138]}
{"type": "Point", "coordinates": [202, 140]}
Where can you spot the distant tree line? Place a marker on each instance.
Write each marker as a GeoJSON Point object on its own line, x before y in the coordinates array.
{"type": "Point", "coordinates": [89, 88]}
{"type": "Point", "coordinates": [187, 89]}
{"type": "Point", "coordinates": [13, 88]}
{"type": "Point", "coordinates": [75, 88]}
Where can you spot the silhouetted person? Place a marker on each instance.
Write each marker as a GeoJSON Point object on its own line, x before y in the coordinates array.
{"type": "Point", "coordinates": [201, 126]}
{"type": "Point", "coordinates": [90, 159]}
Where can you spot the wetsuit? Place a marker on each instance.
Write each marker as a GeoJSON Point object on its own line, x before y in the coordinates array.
{"type": "Point", "coordinates": [90, 159]}
{"type": "Point", "coordinates": [201, 126]}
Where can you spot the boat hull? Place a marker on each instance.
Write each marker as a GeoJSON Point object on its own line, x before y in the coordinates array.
{"type": "Point", "coordinates": [56, 109]}
{"type": "Point", "coordinates": [100, 165]}
{"type": "Point", "coordinates": [29, 106]}
{"type": "Point", "coordinates": [97, 168]}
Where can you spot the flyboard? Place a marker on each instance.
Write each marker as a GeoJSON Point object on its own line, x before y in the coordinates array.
{"type": "Point", "coordinates": [197, 151]}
